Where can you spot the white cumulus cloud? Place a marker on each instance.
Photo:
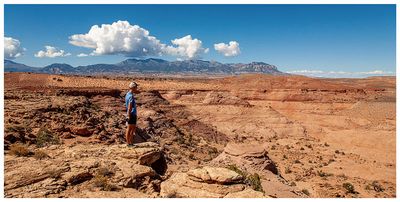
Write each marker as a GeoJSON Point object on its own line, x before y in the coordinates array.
{"type": "Point", "coordinates": [118, 38]}
{"type": "Point", "coordinates": [12, 48]}
{"type": "Point", "coordinates": [228, 50]}
{"type": "Point", "coordinates": [51, 52]}
{"type": "Point", "coordinates": [186, 47]}
{"type": "Point", "coordinates": [82, 55]}
{"type": "Point", "coordinates": [134, 41]}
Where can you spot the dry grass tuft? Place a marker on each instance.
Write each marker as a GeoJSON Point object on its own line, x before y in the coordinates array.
{"type": "Point", "coordinates": [102, 182]}
{"type": "Point", "coordinates": [19, 150]}
{"type": "Point", "coordinates": [40, 154]}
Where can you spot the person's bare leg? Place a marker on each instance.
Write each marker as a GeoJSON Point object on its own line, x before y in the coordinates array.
{"type": "Point", "coordinates": [128, 134]}
{"type": "Point", "coordinates": [132, 133]}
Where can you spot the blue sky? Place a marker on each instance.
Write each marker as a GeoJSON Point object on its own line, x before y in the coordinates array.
{"type": "Point", "coordinates": [325, 38]}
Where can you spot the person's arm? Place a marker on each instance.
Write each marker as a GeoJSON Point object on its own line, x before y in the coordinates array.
{"type": "Point", "coordinates": [129, 109]}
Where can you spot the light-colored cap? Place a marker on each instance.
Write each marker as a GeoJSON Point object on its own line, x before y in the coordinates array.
{"type": "Point", "coordinates": [133, 84]}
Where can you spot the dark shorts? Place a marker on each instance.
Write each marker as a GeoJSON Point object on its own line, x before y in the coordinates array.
{"type": "Point", "coordinates": [132, 120]}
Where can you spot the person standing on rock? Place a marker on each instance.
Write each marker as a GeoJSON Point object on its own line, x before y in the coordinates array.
{"type": "Point", "coordinates": [131, 113]}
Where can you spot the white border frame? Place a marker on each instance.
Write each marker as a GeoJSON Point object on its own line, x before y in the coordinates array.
{"type": "Point", "coordinates": [191, 2]}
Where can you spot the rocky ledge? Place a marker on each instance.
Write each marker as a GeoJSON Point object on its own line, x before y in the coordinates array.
{"type": "Point", "coordinates": [86, 170]}
{"type": "Point", "coordinates": [95, 170]}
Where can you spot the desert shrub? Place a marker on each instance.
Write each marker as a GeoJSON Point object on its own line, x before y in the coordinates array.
{"type": "Point", "coordinates": [349, 188]}
{"type": "Point", "coordinates": [110, 187]}
{"type": "Point", "coordinates": [324, 174]}
{"type": "Point", "coordinates": [306, 192]}
{"type": "Point", "coordinates": [212, 152]}
{"type": "Point", "coordinates": [179, 138]}
{"type": "Point", "coordinates": [326, 144]}
{"type": "Point", "coordinates": [40, 154]}
{"type": "Point", "coordinates": [375, 186]}
{"type": "Point", "coordinates": [104, 171]}
{"type": "Point", "coordinates": [102, 182]}
{"type": "Point", "coordinates": [237, 170]}
{"type": "Point", "coordinates": [252, 180]}
{"type": "Point", "coordinates": [46, 137]}
{"type": "Point", "coordinates": [255, 182]}
{"type": "Point", "coordinates": [19, 150]}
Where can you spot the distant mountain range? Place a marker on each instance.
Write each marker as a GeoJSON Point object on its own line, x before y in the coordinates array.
{"type": "Point", "coordinates": [150, 65]}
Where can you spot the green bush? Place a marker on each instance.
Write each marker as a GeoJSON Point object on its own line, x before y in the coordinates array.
{"type": "Point", "coordinates": [377, 187]}
{"type": "Point", "coordinates": [255, 182]}
{"type": "Point", "coordinates": [237, 170]}
{"type": "Point", "coordinates": [46, 137]}
{"type": "Point", "coordinates": [252, 180]}
{"type": "Point", "coordinates": [349, 188]}
{"type": "Point", "coordinates": [324, 174]}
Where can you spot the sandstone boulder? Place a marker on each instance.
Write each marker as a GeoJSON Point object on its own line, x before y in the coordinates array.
{"type": "Point", "coordinates": [206, 182]}
{"type": "Point", "coordinates": [172, 95]}
{"type": "Point", "coordinates": [79, 178]}
{"type": "Point", "coordinates": [214, 175]}
{"type": "Point", "coordinates": [81, 131]}
{"type": "Point", "coordinates": [250, 157]}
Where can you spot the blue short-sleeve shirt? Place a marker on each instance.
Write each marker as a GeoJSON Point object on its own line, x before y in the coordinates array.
{"type": "Point", "coordinates": [129, 98]}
